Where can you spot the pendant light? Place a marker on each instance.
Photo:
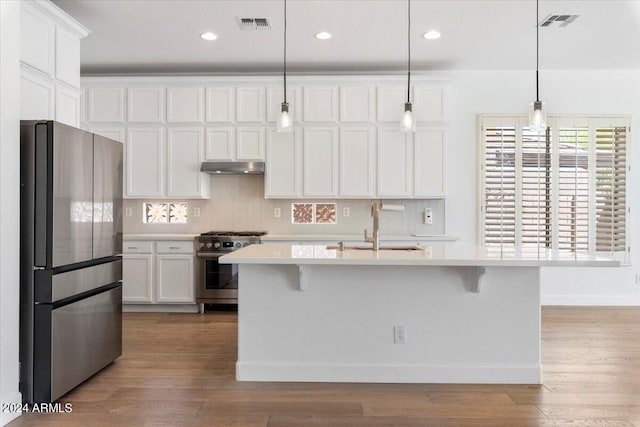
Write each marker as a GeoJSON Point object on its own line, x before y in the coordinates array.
{"type": "Point", "coordinates": [408, 121]}
{"type": "Point", "coordinates": [537, 115]}
{"type": "Point", "coordinates": [284, 121]}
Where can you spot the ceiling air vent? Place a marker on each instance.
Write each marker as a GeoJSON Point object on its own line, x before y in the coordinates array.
{"type": "Point", "coordinates": [254, 24]}
{"type": "Point", "coordinates": [561, 20]}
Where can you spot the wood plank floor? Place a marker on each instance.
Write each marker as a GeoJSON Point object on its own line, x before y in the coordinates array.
{"type": "Point", "coordinates": [178, 370]}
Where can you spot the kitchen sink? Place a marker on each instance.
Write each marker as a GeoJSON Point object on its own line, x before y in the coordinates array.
{"type": "Point", "coordinates": [382, 248]}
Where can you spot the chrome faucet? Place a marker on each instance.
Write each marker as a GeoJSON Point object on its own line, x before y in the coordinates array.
{"type": "Point", "coordinates": [375, 239]}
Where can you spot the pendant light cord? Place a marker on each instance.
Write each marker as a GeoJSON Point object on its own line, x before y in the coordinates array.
{"type": "Point", "coordinates": [285, 51]}
{"type": "Point", "coordinates": [537, 51]}
{"type": "Point", "coordinates": [408, 49]}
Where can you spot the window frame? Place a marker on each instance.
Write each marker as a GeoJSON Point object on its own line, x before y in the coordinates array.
{"type": "Point", "coordinates": [555, 122]}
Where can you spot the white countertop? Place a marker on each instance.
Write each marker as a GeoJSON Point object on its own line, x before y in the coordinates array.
{"type": "Point", "coordinates": [334, 238]}
{"type": "Point", "coordinates": [435, 255]}
{"type": "Point", "coordinates": [159, 236]}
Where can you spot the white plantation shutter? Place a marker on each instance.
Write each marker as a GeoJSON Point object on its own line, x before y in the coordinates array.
{"type": "Point", "coordinates": [565, 189]}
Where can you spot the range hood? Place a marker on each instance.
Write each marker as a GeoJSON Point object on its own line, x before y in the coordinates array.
{"type": "Point", "coordinates": [233, 168]}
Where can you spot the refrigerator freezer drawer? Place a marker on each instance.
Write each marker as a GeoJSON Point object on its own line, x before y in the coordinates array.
{"type": "Point", "coordinates": [75, 341]}
{"type": "Point", "coordinates": [70, 283]}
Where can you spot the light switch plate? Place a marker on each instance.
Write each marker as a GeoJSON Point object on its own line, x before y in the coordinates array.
{"type": "Point", "coordinates": [128, 211]}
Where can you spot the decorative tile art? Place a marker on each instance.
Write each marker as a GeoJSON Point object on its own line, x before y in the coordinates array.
{"type": "Point", "coordinates": [164, 213]}
{"type": "Point", "coordinates": [313, 213]}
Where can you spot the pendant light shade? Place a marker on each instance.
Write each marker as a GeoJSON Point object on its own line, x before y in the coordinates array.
{"type": "Point", "coordinates": [284, 120]}
{"type": "Point", "coordinates": [408, 121]}
{"type": "Point", "coordinates": [537, 114]}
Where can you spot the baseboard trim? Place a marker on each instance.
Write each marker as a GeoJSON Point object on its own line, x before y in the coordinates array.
{"type": "Point", "coordinates": [592, 300]}
{"type": "Point", "coordinates": [159, 308]}
{"type": "Point", "coordinates": [7, 417]}
{"type": "Point", "coordinates": [408, 373]}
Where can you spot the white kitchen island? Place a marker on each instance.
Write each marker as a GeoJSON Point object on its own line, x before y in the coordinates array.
{"type": "Point", "coordinates": [469, 315]}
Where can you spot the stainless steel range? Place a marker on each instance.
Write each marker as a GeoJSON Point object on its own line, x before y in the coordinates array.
{"type": "Point", "coordinates": [218, 283]}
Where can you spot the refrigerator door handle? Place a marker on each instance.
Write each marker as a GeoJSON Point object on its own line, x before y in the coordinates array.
{"type": "Point", "coordinates": [42, 196]}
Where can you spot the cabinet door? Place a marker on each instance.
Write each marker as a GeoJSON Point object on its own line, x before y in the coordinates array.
{"type": "Point", "coordinates": [357, 162]}
{"type": "Point", "coordinates": [174, 278]}
{"type": "Point", "coordinates": [275, 96]}
{"type": "Point", "coordinates": [37, 39]}
{"type": "Point", "coordinates": [430, 104]}
{"type": "Point", "coordinates": [137, 278]}
{"type": "Point", "coordinates": [357, 104]}
{"type": "Point", "coordinates": [321, 104]}
{"type": "Point", "coordinates": [282, 169]}
{"type": "Point", "coordinates": [185, 104]}
{"type": "Point", "coordinates": [250, 144]}
{"type": "Point", "coordinates": [390, 106]}
{"type": "Point", "coordinates": [68, 106]}
{"type": "Point", "coordinates": [105, 105]}
{"type": "Point", "coordinates": [250, 104]}
{"type": "Point", "coordinates": [185, 148]}
{"type": "Point", "coordinates": [144, 163]}
{"type": "Point", "coordinates": [220, 145]}
{"type": "Point", "coordinates": [220, 104]}
{"type": "Point", "coordinates": [394, 163]}
{"type": "Point", "coordinates": [320, 165]}
{"type": "Point", "coordinates": [37, 95]}
{"type": "Point", "coordinates": [67, 57]}
{"type": "Point", "coordinates": [145, 105]}
{"type": "Point", "coordinates": [429, 163]}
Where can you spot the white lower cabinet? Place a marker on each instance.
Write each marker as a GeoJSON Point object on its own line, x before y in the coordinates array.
{"type": "Point", "coordinates": [158, 272]}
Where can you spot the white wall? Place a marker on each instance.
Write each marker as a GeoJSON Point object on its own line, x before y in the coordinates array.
{"type": "Point", "coordinates": [565, 92]}
{"type": "Point", "coordinates": [9, 202]}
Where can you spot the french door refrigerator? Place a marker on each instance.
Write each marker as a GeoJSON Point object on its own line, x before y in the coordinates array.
{"type": "Point", "coordinates": [70, 268]}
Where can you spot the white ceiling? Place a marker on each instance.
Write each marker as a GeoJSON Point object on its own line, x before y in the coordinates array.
{"type": "Point", "coordinates": [162, 36]}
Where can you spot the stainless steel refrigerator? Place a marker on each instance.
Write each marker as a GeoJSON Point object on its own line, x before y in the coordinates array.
{"type": "Point", "coordinates": [70, 268]}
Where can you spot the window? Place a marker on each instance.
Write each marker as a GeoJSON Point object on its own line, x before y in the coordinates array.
{"type": "Point", "coordinates": [563, 189]}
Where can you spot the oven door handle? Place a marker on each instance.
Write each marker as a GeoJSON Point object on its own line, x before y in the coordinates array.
{"type": "Point", "coordinates": [209, 255]}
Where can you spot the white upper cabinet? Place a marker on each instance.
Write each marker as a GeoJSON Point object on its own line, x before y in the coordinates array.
{"type": "Point", "coordinates": [220, 104]}
{"type": "Point", "coordinates": [220, 144]}
{"type": "Point", "coordinates": [37, 39]}
{"type": "Point", "coordinates": [68, 106]}
{"type": "Point", "coordinates": [429, 104]}
{"type": "Point", "coordinates": [320, 164]}
{"type": "Point", "coordinates": [250, 104]}
{"type": "Point", "coordinates": [394, 163]}
{"type": "Point", "coordinates": [391, 100]}
{"type": "Point", "coordinates": [144, 163]}
{"type": "Point", "coordinates": [105, 104]}
{"type": "Point", "coordinates": [357, 104]}
{"type": "Point", "coordinates": [145, 105]}
{"type": "Point", "coordinates": [429, 161]}
{"type": "Point", "coordinates": [37, 96]}
{"type": "Point", "coordinates": [185, 104]}
{"type": "Point", "coordinates": [250, 143]}
{"type": "Point", "coordinates": [283, 164]}
{"type": "Point", "coordinates": [320, 104]}
{"type": "Point", "coordinates": [357, 162]}
{"type": "Point", "coordinates": [184, 156]}
{"type": "Point", "coordinates": [275, 97]}
{"type": "Point", "coordinates": [67, 57]}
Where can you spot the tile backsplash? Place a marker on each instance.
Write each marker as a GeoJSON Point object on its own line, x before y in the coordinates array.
{"type": "Point", "coordinates": [237, 203]}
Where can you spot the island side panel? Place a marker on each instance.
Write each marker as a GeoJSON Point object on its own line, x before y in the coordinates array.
{"type": "Point", "coordinates": [340, 328]}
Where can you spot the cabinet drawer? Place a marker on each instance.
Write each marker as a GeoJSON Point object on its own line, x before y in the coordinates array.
{"type": "Point", "coordinates": [175, 247]}
{"type": "Point", "coordinates": [136, 247]}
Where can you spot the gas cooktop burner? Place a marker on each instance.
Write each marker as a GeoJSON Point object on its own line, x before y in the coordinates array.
{"type": "Point", "coordinates": [233, 233]}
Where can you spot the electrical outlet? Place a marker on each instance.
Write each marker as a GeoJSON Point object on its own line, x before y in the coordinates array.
{"type": "Point", "coordinates": [128, 211]}
{"type": "Point", "coordinates": [428, 216]}
{"type": "Point", "coordinates": [346, 211]}
{"type": "Point", "coordinates": [399, 334]}
{"type": "Point", "coordinates": [277, 212]}
{"type": "Point", "coordinates": [196, 211]}
{"type": "Point", "coordinates": [637, 279]}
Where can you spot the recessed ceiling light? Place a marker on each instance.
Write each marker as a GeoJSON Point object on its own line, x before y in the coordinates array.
{"type": "Point", "coordinates": [324, 35]}
{"type": "Point", "coordinates": [432, 35]}
{"type": "Point", "coordinates": [208, 36]}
